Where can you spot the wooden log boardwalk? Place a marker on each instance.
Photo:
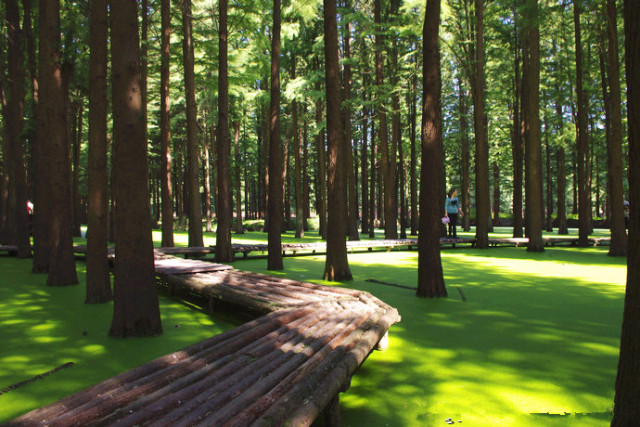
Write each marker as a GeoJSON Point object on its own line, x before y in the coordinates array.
{"type": "Point", "coordinates": [285, 367]}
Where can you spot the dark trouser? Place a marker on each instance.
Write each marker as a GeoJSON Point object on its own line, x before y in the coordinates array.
{"type": "Point", "coordinates": [453, 221]}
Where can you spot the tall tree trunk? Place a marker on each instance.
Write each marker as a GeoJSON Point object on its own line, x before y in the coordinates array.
{"type": "Point", "coordinates": [496, 193]}
{"type": "Point", "coordinates": [413, 162]}
{"type": "Point", "coordinates": [396, 154]}
{"type": "Point", "coordinates": [517, 148]}
{"type": "Point", "coordinates": [286, 183]}
{"type": "Point", "coordinates": [365, 171]}
{"type": "Point", "coordinates": [531, 124]}
{"type": "Point", "coordinates": [98, 278]}
{"type": "Point", "coordinates": [615, 197]}
{"type": "Point", "coordinates": [373, 195]}
{"type": "Point", "coordinates": [336, 266]}
{"type": "Point", "coordinates": [321, 189]}
{"type": "Point", "coordinates": [136, 310]}
{"type": "Point", "coordinates": [193, 169]}
{"type": "Point", "coordinates": [207, 186]}
{"type": "Point", "coordinates": [76, 141]}
{"type": "Point", "coordinates": [626, 411]}
{"type": "Point", "coordinates": [465, 163]}
{"type": "Point", "coordinates": [430, 275]}
{"type": "Point", "coordinates": [352, 196]}
{"type": "Point", "coordinates": [13, 112]}
{"type": "Point", "coordinates": [584, 205]}
{"type": "Point", "coordinates": [165, 126]}
{"type": "Point", "coordinates": [297, 154]}
{"type": "Point", "coordinates": [224, 252]}
{"type": "Point", "coordinates": [51, 122]}
{"type": "Point", "coordinates": [62, 265]}
{"type": "Point", "coordinates": [274, 205]}
{"type": "Point", "coordinates": [387, 159]}
{"type": "Point", "coordinates": [238, 228]}
{"type": "Point", "coordinates": [483, 202]}
{"type": "Point", "coordinates": [549, 176]}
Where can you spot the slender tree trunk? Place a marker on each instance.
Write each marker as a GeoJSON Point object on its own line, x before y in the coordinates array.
{"type": "Point", "coordinates": [373, 195]}
{"type": "Point", "coordinates": [549, 175]}
{"type": "Point", "coordinates": [224, 252]}
{"type": "Point", "coordinates": [321, 190]}
{"type": "Point", "coordinates": [165, 126]}
{"type": "Point", "coordinates": [496, 193]}
{"type": "Point", "coordinates": [76, 140]}
{"type": "Point", "coordinates": [618, 245]}
{"type": "Point", "coordinates": [430, 275]}
{"type": "Point", "coordinates": [352, 196]}
{"type": "Point", "coordinates": [413, 163]}
{"type": "Point", "coordinates": [483, 208]}
{"type": "Point", "coordinates": [584, 206]}
{"type": "Point", "coordinates": [626, 411]}
{"type": "Point", "coordinates": [274, 206]}
{"type": "Point", "coordinates": [207, 187]}
{"type": "Point", "coordinates": [396, 154]}
{"type": "Point", "coordinates": [336, 265]}
{"type": "Point", "coordinates": [387, 160]}
{"type": "Point", "coordinates": [238, 228]}
{"type": "Point", "coordinates": [517, 148]}
{"type": "Point", "coordinates": [561, 192]}
{"type": "Point", "coordinates": [62, 266]}
{"type": "Point", "coordinates": [531, 124]}
{"type": "Point", "coordinates": [286, 184]}
{"type": "Point", "coordinates": [297, 154]}
{"type": "Point", "coordinates": [193, 169]}
{"type": "Point", "coordinates": [136, 310]}
{"type": "Point", "coordinates": [14, 159]}
{"type": "Point", "coordinates": [465, 163]}
{"type": "Point", "coordinates": [365, 171]}
{"type": "Point", "coordinates": [98, 278]}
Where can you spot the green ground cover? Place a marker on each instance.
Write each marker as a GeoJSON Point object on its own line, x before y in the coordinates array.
{"type": "Point", "coordinates": [536, 338]}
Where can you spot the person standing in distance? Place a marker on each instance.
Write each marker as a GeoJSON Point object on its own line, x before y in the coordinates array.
{"type": "Point", "coordinates": [452, 210]}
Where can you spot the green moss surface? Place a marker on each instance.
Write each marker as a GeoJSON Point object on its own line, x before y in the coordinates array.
{"type": "Point", "coordinates": [534, 343]}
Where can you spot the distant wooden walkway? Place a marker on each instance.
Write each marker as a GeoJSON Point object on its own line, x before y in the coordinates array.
{"type": "Point", "coordinates": [285, 367]}
{"type": "Point", "coordinates": [294, 249]}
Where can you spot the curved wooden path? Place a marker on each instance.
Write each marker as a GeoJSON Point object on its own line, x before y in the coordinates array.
{"type": "Point", "coordinates": [285, 367]}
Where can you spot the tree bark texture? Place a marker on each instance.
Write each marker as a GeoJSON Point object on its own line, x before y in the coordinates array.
{"type": "Point", "coordinates": [615, 197]}
{"type": "Point", "coordinates": [193, 168]}
{"type": "Point", "coordinates": [336, 265]}
{"type": "Point", "coordinates": [165, 126]}
{"type": "Point", "coordinates": [430, 275]}
{"type": "Point", "coordinates": [626, 411]}
{"type": "Point", "coordinates": [98, 276]}
{"type": "Point", "coordinates": [275, 205]}
{"type": "Point", "coordinates": [483, 201]}
{"type": "Point", "coordinates": [352, 196]}
{"type": "Point", "coordinates": [238, 227]}
{"type": "Point", "coordinates": [517, 148]}
{"type": "Point", "coordinates": [136, 310]}
{"type": "Point", "coordinates": [297, 154]}
{"type": "Point", "coordinates": [224, 252]}
{"type": "Point", "coordinates": [387, 156]}
{"type": "Point", "coordinates": [17, 223]}
{"type": "Point", "coordinates": [531, 124]}
{"type": "Point", "coordinates": [61, 265]}
{"type": "Point", "coordinates": [582, 140]}
{"type": "Point", "coordinates": [465, 162]}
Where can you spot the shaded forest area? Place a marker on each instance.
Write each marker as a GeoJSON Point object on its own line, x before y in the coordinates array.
{"type": "Point", "coordinates": [190, 110]}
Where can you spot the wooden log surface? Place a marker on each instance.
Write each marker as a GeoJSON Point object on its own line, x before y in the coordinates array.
{"type": "Point", "coordinates": [240, 374]}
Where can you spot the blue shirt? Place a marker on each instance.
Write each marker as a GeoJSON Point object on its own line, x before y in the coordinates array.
{"type": "Point", "coordinates": [451, 205]}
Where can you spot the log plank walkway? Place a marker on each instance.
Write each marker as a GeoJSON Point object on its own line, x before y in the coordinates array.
{"type": "Point", "coordinates": [284, 367]}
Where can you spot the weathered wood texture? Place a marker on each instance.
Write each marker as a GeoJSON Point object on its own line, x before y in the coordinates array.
{"type": "Point", "coordinates": [282, 368]}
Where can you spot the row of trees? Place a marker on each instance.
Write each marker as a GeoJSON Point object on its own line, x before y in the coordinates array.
{"type": "Point", "coordinates": [382, 67]}
{"type": "Point", "coordinates": [357, 161]}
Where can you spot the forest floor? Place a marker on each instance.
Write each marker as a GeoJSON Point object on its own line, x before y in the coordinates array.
{"type": "Point", "coordinates": [534, 341]}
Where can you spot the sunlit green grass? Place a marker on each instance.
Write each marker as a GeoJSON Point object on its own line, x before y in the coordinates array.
{"type": "Point", "coordinates": [45, 327]}
{"type": "Point", "coordinates": [538, 334]}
